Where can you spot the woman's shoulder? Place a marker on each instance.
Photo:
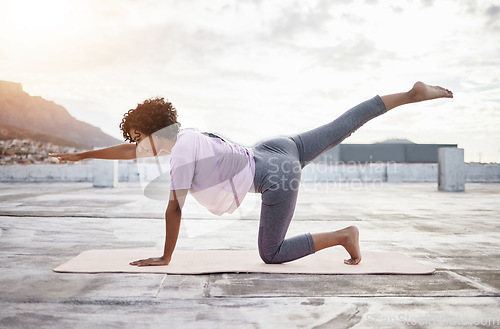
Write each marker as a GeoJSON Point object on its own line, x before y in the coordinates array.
{"type": "Point", "coordinates": [188, 134]}
{"type": "Point", "coordinates": [188, 131]}
{"type": "Point", "coordinates": [186, 139]}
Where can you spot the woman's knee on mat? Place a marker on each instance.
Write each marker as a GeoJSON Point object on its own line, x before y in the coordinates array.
{"type": "Point", "coordinates": [269, 257]}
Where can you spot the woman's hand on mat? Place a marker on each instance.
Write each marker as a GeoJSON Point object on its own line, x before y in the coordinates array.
{"type": "Point", "coordinates": [154, 261]}
{"type": "Point", "coordinates": [68, 156]}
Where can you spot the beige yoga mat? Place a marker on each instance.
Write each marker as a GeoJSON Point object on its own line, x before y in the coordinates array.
{"type": "Point", "coordinates": [328, 261]}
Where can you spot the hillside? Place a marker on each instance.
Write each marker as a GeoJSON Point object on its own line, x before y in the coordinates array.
{"type": "Point", "coordinates": [35, 114]}
{"type": "Point", "coordinates": [10, 132]}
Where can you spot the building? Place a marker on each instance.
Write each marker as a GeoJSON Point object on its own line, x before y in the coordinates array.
{"type": "Point", "coordinates": [398, 152]}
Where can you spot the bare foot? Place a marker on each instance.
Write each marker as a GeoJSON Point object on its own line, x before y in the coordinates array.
{"type": "Point", "coordinates": [422, 92]}
{"type": "Point", "coordinates": [351, 244]}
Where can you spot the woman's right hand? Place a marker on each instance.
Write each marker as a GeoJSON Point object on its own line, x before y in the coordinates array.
{"type": "Point", "coordinates": [68, 156]}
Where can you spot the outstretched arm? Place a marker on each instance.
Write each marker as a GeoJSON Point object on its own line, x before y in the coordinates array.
{"type": "Point", "coordinates": [173, 216]}
{"type": "Point", "coordinates": [124, 151]}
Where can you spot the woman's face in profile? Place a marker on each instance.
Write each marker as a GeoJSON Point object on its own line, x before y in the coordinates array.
{"type": "Point", "coordinates": [150, 145]}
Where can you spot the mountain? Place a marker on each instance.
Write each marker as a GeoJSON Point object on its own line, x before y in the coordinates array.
{"type": "Point", "coordinates": [396, 141]}
{"type": "Point", "coordinates": [10, 132]}
{"type": "Point", "coordinates": [18, 109]}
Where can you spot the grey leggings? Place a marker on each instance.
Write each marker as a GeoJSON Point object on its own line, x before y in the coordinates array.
{"type": "Point", "coordinates": [278, 165]}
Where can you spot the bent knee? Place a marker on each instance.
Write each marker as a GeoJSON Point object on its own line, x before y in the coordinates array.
{"type": "Point", "coordinates": [269, 258]}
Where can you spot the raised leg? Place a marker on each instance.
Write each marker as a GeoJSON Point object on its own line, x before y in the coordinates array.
{"type": "Point", "coordinates": [314, 142]}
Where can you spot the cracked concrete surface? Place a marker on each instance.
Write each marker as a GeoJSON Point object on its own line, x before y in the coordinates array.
{"type": "Point", "coordinates": [44, 225]}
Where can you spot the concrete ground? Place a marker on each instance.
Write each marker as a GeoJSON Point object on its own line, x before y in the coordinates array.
{"type": "Point", "coordinates": [44, 225]}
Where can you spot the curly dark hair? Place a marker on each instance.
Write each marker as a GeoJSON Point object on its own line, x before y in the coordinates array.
{"type": "Point", "coordinates": [150, 116]}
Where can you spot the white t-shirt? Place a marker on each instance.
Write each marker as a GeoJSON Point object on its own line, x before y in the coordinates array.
{"type": "Point", "coordinates": [217, 173]}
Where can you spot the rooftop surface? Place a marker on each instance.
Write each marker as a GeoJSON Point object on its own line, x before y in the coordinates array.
{"type": "Point", "coordinates": [45, 225]}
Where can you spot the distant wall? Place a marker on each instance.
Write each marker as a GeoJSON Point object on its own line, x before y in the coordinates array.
{"type": "Point", "coordinates": [371, 172]}
{"type": "Point", "coordinates": [482, 172]}
{"type": "Point", "coordinates": [394, 172]}
{"type": "Point", "coordinates": [62, 173]}
{"type": "Point", "coordinates": [46, 173]}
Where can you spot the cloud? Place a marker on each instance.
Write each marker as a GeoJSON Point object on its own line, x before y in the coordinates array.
{"type": "Point", "coordinates": [488, 10]}
{"type": "Point", "coordinates": [493, 17]}
{"type": "Point", "coordinates": [427, 3]}
{"type": "Point", "coordinates": [295, 19]}
{"type": "Point", "coordinates": [353, 54]}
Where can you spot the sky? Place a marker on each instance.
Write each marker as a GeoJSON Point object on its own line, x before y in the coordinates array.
{"type": "Point", "coordinates": [254, 69]}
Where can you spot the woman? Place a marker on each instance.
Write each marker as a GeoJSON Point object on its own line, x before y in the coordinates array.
{"type": "Point", "coordinates": [219, 173]}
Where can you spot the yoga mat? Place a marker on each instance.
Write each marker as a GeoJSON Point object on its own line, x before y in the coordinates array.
{"type": "Point", "coordinates": [328, 261]}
